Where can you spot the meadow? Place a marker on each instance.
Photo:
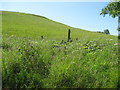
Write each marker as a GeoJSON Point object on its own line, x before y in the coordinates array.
{"type": "Point", "coordinates": [32, 61]}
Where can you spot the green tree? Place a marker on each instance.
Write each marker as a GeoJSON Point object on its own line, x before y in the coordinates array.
{"type": "Point", "coordinates": [106, 31]}
{"type": "Point", "coordinates": [113, 9]}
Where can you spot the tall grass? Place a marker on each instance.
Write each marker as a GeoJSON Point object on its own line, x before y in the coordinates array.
{"type": "Point", "coordinates": [29, 61]}
{"type": "Point", "coordinates": [51, 64]}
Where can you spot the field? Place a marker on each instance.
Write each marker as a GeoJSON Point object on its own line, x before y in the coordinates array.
{"type": "Point", "coordinates": [36, 54]}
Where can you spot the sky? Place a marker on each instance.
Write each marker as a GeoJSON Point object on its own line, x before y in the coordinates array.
{"type": "Point", "coordinates": [83, 15]}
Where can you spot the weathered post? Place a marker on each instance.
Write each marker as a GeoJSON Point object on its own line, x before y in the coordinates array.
{"type": "Point", "coordinates": [68, 35]}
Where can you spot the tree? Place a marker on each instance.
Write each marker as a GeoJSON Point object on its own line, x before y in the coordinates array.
{"type": "Point", "coordinates": [113, 9]}
{"type": "Point", "coordinates": [106, 31]}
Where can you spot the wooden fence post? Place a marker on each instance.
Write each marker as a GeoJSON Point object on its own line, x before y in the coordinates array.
{"type": "Point", "coordinates": [68, 35]}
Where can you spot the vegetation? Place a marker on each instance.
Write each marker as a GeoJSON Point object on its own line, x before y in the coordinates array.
{"type": "Point", "coordinates": [106, 31]}
{"type": "Point", "coordinates": [113, 9]}
{"type": "Point", "coordinates": [36, 54]}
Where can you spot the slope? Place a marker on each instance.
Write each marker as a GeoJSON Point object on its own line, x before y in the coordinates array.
{"type": "Point", "coordinates": [30, 25]}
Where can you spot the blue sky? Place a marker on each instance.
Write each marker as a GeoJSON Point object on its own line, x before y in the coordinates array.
{"type": "Point", "coordinates": [84, 15]}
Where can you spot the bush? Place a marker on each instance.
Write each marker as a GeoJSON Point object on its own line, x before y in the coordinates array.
{"type": "Point", "coordinates": [106, 31]}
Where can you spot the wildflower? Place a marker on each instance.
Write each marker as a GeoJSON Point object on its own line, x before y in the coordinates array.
{"type": "Point", "coordinates": [110, 39]}
{"type": "Point", "coordinates": [117, 44]}
{"type": "Point", "coordinates": [12, 35]}
{"type": "Point", "coordinates": [36, 42]}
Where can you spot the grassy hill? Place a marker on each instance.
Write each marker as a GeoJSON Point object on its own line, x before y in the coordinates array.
{"type": "Point", "coordinates": [30, 25]}
{"type": "Point", "coordinates": [28, 61]}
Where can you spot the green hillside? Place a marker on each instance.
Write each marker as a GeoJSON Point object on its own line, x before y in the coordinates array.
{"type": "Point", "coordinates": [29, 61]}
{"type": "Point", "coordinates": [29, 25]}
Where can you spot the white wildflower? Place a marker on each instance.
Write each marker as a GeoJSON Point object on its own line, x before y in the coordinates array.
{"type": "Point", "coordinates": [111, 39]}
{"type": "Point", "coordinates": [117, 44]}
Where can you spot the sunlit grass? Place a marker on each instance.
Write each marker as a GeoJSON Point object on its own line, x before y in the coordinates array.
{"type": "Point", "coordinates": [29, 61]}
